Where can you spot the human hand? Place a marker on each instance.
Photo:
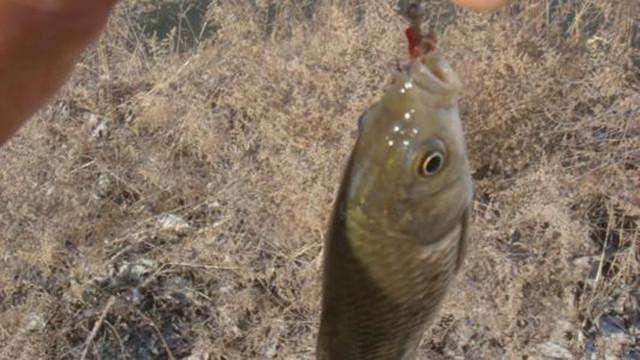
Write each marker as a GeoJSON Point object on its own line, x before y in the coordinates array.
{"type": "Point", "coordinates": [39, 43]}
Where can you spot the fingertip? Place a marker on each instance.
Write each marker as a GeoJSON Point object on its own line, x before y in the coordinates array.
{"type": "Point", "coordinates": [481, 5]}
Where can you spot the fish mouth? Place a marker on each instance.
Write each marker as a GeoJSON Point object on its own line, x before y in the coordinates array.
{"type": "Point", "coordinates": [433, 73]}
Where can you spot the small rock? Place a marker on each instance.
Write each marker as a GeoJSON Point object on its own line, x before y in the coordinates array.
{"type": "Point", "coordinates": [226, 289]}
{"type": "Point", "coordinates": [585, 263]}
{"type": "Point", "coordinates": [148, 263]}
{"type": "Point", "coordinates": [623, 303]}
{"type": "Point", "coordinates": [217, 240]}
{"type": "Point", "coordinates": [171, 222]}
{"type": "Point", "coordinates": [199, 355]}
{"type": "Point", "coordinates": [136, 295]}
{"type": "Point", "coordinates": [101, 130]}
{"type": "Point", "coordinates": [465, 332]}
{"type": "Point", "coordinates": [515, 236]}
{"type": "Point", "coordinates": [200, 352]}
{"type": "Point", "coordinates": [178, 289]}
{"type": "Point", "coordinates": [104, 185]}
{"type": "Point", "coordinates": [610, 325]}
{"type": "Point", "coordinates": [633, 355]}
{"type": "Point", "coordinates": [132, 274]}
{"type": "Point", "coordinates": [34, 322]}
{"type": "Point", "coordinates": [552, 350]}
{"type": "Point", "coordinates": [142, 267]}
{"type": "Point", "coordinates": [590, 352]}
{"type": "Point", "coordinates": [272, 350]}
{"type": "Point", "coordinates": [92, 120]}
{"type": "Point", "coordinates": [615, 336]}
{"type": "Point", "coordinates": [76, 291]}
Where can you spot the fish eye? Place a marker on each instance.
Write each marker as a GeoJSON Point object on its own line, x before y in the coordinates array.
{"type": "Point", "coordinates": [432, 163]}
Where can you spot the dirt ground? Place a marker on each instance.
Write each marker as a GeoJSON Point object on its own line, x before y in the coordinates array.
{"type": "Point", "coordinates": [172, 202]}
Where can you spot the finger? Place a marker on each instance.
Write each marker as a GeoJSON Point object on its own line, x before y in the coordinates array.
{"type": "Point", "coordinates": [481, 5]}
{"type": "Point", "coordinates": [70, 21]}
{"type": "Point", "coordinates": [63, 5]}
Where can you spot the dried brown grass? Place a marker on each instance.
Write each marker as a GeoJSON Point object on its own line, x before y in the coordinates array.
{"type": "Point", "coordinates": [244, 137]}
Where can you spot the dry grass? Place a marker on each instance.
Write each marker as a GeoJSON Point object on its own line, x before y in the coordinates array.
{"type": "Point", "coordinates": [243, 136]}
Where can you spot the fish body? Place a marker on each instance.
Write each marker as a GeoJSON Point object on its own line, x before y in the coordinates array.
{"type": "Point", "coordinates": [400, 222]}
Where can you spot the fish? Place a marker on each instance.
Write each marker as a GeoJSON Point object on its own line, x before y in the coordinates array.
{"type": "Point", "coordinates": [400, 223]}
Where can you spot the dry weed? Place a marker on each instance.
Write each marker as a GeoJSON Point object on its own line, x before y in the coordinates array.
{"type": "Point", "coordinates": [193, 183]}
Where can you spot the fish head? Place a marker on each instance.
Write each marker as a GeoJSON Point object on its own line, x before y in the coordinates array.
{"type": "Point", "coordinates": [410, 171]}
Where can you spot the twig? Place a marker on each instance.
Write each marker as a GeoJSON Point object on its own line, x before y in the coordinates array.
{"type": "Point", "coordinates": [207, 267]}
{"type": "Point", "coordinates": [167, 349]}
{"type": "Point", "coordinates": [153, 276]}
{"type": "Point", "coordinates": [115, 332]}
{"type": "Point", "coordinates": [97, 326]}
{"type": "Point", "coordinates": [610, 221]}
